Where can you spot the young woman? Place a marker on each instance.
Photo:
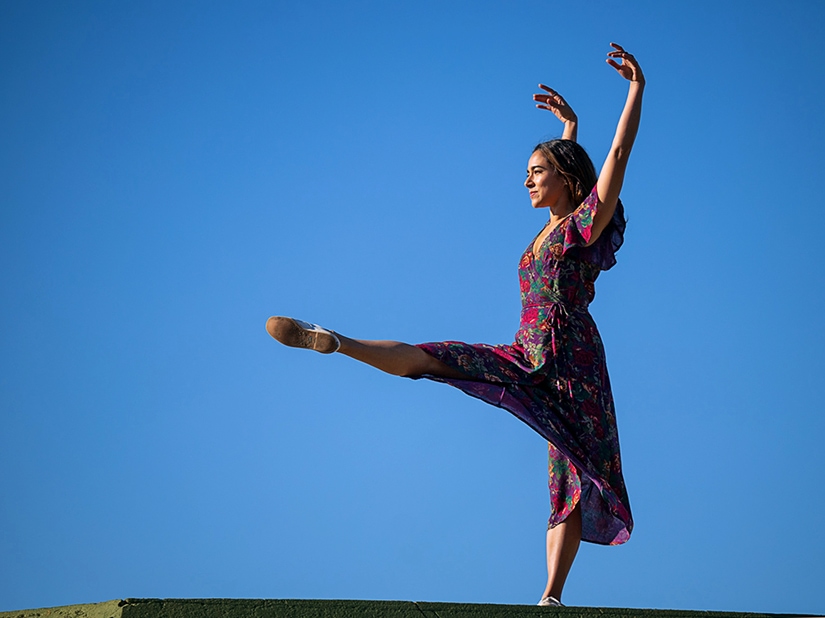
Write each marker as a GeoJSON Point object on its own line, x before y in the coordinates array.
{"type": "Point", "coordinates": [554, 376]}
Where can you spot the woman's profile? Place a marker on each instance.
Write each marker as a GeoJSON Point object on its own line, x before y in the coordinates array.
{"type": "Point", "coordinates": [554, 375]}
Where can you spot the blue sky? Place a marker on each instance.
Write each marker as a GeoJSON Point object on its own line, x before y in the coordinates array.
{"type": "Point", "coordinates": [176, 172]}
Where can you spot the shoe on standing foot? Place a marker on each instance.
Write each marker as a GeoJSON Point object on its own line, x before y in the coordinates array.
{"type": "Point", "coordinates": [550, 602]}
{"type": "Point", "coordinates": [300, 334]}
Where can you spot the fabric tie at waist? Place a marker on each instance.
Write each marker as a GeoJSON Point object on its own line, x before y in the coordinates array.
{"type": "Point", "coordinates": [555, 305]}
{"type": "Point", "coordinates": [557, 309]}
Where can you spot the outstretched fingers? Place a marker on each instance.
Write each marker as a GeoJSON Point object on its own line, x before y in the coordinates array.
{"type": "Point", "coordinates": [629, 67]}
{"type": "Point", "coordinates": [551, 94]}
{"type": "Point", "coordinates": [554, 102]}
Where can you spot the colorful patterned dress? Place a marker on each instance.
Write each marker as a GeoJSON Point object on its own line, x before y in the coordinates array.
{"type": "Point", "coordinates": [554, 376]}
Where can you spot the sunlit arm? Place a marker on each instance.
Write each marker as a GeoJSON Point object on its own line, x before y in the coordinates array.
{"type": "Point", "coordinates": [571, 129]}
{"type": "Point", "coordinates": [612, 173]}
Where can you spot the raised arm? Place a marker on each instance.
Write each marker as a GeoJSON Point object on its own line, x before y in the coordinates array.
{"type": "Point", "coordinates": [612, 173]}
{"type": "Point", "coordinates": [554, 102]}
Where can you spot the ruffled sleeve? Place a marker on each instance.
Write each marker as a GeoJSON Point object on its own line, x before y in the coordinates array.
{"type": "Point", "coordinates": [579, 229]}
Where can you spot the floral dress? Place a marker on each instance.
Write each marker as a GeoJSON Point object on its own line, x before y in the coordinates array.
{"type": "Point", "coordinates": [554, 376]}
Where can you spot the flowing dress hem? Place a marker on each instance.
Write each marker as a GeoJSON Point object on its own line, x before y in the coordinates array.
{"type": "Point", "coordinates": [616, 534]}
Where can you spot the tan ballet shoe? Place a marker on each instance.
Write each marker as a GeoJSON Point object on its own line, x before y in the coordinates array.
{"type": "Point", "coordinates": [300, 334]}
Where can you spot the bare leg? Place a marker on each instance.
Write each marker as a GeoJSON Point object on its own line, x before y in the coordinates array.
{"type": "Point", "coordinates": [562, 546]}
{"type": "Point", "coordinates": [399, 359]}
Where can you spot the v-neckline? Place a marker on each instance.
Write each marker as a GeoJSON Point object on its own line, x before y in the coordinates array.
{"type": "Point", "coordinates": [533, 251]}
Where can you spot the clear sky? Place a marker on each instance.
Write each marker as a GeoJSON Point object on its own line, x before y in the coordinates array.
{"type": "Point", "coordinates": [175, 172]}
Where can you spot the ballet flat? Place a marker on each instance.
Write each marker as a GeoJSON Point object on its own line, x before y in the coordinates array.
{"type": "Point", "coordinates": [300, 334]}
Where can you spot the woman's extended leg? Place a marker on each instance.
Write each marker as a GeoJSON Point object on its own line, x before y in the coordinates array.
{"type": "Point", "coordinates": [562, 545]}
{"type": "Point", "coordinates": [397, 358]}
{"type": "Point", "coordinates": [394, 357]}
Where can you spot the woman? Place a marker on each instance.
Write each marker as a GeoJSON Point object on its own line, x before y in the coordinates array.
{"type": "Point", "coordinates": [554, 376]}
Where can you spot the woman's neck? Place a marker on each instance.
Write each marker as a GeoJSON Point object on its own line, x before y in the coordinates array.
{"type": "Point", "coordinates": [560, 210]}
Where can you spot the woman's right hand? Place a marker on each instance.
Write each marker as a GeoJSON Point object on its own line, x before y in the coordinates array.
{"type": "Point", "coordinates": [555, 103]}
{"type": "Point", "coordinates": [629, 68]}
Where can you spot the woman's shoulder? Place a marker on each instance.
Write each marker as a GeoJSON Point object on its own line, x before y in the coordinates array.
{"type": "Point", "coordinates": [579, 233]}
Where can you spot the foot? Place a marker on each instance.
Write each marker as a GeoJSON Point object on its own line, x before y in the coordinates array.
{"type": "Point", "coordinates": [550, 602]}
{"type": "Point", "coordinates": [299, 334]}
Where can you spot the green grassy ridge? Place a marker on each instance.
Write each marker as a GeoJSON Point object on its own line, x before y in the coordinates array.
{"type": "Point", "coordinates": [296, 608]}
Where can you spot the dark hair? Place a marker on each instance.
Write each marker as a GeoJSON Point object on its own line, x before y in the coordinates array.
{"type": "Point", "coordinates": [574, 164]}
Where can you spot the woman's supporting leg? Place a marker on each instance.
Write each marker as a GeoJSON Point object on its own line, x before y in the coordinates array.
{"type": "Point", "coordinates": [562, 545]}
{"type": "Point", "coordinates": [397, 358]}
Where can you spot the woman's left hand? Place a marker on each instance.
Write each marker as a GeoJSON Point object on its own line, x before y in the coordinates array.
{"type": "Point", "coordinates": [629, 68]}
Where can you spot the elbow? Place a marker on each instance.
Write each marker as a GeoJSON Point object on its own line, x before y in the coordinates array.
{"type": "Point", "coordinates": [620, 152]}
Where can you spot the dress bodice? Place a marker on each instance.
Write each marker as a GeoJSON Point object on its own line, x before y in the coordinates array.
{"type": "Point", "coordinates": [558, 281]}
{"type": "Point", "coordinates": [552, 276]}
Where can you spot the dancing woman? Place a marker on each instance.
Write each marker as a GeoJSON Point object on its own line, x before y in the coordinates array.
{"type": "Point", "coordinates": [554, 376]}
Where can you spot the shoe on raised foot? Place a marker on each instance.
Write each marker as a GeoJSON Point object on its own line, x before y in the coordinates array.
{"type": "Point", "coordinates": [550, 602]}
{"type": "Point", "coordinates": [300, 334]}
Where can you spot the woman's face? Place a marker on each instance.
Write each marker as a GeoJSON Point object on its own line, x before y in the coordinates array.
{"type": "Point", "coordinates": [544, 183]}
